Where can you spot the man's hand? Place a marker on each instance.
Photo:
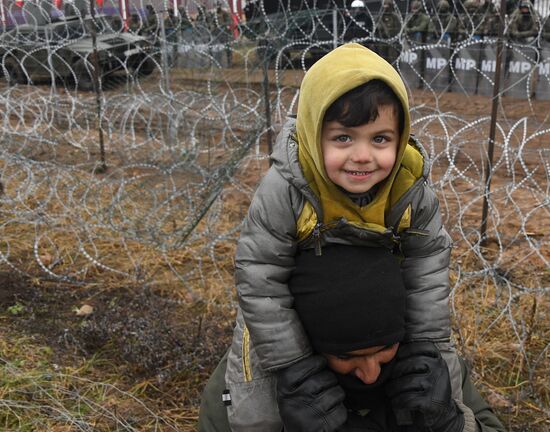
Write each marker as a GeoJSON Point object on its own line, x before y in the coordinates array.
{"type": "Point", "coordinates": [420, 386]}
{"type": "Point", "coordinates": [309, 397]}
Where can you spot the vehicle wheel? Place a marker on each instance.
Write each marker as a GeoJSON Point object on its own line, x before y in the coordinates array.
{"type": "Point", "coordinates": [145, 66]}
{"type": "Point", "coordinates": [84, 79]}
{"type": "Point", "coordinates": [15, 74]}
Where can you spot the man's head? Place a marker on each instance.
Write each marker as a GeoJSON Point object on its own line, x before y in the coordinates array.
{"type": "Point", "coordinates": [525, 7]}
{"type": "Point", "coordinates": [470, 6]}
{"type": "Point", "coordinates": [351, 302]}
{"type": "Point", "coordinates": [443, 7]}
{"type": "Point", "coordinates": [360, 136]}
{"type": "Point", "coordinates": [365, 364]}
{"type": "Point", "coordinates": [416, 6]}
{"type": "Point", "coordinates": [388, 5]}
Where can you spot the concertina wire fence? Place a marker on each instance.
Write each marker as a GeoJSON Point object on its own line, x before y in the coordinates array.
{"type": "Point", "coordinates": [117, 164]}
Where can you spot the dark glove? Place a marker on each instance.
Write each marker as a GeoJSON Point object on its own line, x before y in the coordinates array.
{"type": "Point", "coordinates": [357, 423]}
{"type": "Point", "coordinates": [420, 390]}
{"type": "Point", "coordinates": [309, 397]}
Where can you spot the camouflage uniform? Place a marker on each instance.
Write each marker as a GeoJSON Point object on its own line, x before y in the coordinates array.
{"type": "Point", "coordinates": [389, 24]}
{"type": "Point", "coordinates": [491, 18]}
{"type": "Point", "coordinates": [135, 24]}
{"type": "Point", "coordinates": [443, 26]}
{"type": "Point", "coordinates": [417, 22]}
{"type": "Point", "coordinates": [152, 25]}
{"type": "Point", "coordinates": [524, 24]}
{"type": "Point", "coordinates": [388, 27]}
{"type": "Point", "coordinates": [470, 23]}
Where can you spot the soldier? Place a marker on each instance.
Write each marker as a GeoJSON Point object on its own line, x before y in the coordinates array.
{"type": "Point", "coordinates": [417, 22]}
{"type": "Point", "coordinates": [389, 23]}
{"type": "Point", "coordinates": [524, 24]}
{"type": "Point", "coordinates": [388, 27]}
{"type": "Point", "coordinates": [443, 26]}
{"type": "Point", "coordinates": [470, 23]}
{"type": "Point", "coordinates": [491, 18]}
{"type": "Point", "coordinates": [171, 22]}
{"type": "Point", "coordinates": [135, 24]}
{"type": "Point", "coordinates": [151, 24]}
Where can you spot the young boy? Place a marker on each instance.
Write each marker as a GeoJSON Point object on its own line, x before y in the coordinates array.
{"type": "Point", "coordinates": [346, 171]}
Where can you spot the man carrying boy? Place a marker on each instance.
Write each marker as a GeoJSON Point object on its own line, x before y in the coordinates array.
{"type": "Point", "coordinates": [346, 171]}
{"type": "Point", "coordinates": [356, 329]}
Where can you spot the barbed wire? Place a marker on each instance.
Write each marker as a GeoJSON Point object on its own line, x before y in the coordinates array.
{"type": "Point", "coordinates": [131, 145]}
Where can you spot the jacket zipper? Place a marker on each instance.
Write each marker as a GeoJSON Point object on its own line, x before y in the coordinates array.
{"type": "Point", "coordinates": [318, 229]}
{"type": "Point", "coordinates": [317, 239]}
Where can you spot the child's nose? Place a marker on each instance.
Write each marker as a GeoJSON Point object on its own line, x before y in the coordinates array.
{"type": "Point", "coordinates": [368, 371]}
{"type": "Point", "coordinates": [362, 154]}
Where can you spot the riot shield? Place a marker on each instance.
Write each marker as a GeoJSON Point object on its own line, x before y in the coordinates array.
{"type": "Point", "coordinates": [487, 68]}
{"type": "Point", "coordinates": [465, 66]}
{"type": "Point", "coordinates": [195, 52]}
{"type": "Point", "coordinates": [542, 91]}
{"type": "Point", "coordinates": [409, 65]}
{"type": "Point", "coordinates": [436, 68]}
{"type": "Point", "coordinates": [518, 82]}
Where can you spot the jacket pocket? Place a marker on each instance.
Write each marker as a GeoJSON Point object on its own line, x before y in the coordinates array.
{"type": "Point", "coordinates": [253, 390]}
{"type": "Point", "coordinates": [254, 406]}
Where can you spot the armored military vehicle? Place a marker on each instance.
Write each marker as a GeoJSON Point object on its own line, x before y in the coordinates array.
{"type": "Point", "coordinates": [63, 49]}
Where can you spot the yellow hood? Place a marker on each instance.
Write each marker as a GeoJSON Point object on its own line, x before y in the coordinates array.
{"type": "Point", "coordinates": [333, 75]}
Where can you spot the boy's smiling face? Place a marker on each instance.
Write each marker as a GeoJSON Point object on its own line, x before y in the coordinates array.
{"type": "Point", "coordinates": [357, 158]}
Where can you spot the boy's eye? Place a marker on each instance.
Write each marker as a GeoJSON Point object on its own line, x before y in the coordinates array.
{"type": "Point", "coordinates": [380, 139]}
{"type": "Point", "coordinates": [343, 138]}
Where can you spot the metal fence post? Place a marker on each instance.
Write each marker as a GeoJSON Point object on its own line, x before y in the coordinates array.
{"type": "Point", "coordinates": [97, 89]}
{"type": "Point", "coordinates": [492, 128]}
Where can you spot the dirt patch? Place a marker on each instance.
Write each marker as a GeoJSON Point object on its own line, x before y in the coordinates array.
{"type": "Point", "coordinates": [153, 337]}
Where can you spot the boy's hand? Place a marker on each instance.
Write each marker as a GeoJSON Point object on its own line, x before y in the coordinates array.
{"type": "Point", "coordinates": [420, 385]}
{"type": "Point", "coordinates": [309, 397]}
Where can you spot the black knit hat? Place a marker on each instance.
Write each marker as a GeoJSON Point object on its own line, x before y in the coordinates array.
{"type": "Point", "coordinates": [349, 298]}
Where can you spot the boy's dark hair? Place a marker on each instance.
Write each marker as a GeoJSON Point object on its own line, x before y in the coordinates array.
{"type": "Point", "coordinates": [360, 105]}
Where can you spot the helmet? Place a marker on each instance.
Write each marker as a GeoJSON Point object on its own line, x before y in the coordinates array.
{"type": "Point", "coordinates": [357, 4]}
{"type": "Point", "coordinates": [443, 6]}
{"type": "Point", "coordinates": [388, 3]}
{"type": "Point", "coordinates": [470, 5]}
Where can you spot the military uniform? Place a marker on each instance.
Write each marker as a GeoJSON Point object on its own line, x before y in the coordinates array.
{"type": "Point", "coordinates": [389, 24]}
{"type": "Point", "coordinates": [491, 18]}
{"type": "Point", "coordinates": [135, 24]}
{"type": "Point", "coordinates": [152, 24]}
{"type": "Point", "coordinates": [470, 23]}
{"type": "Point", "coordinates": [524, 24]}
{"type": "Point", "coordinates": [443, 26]}
{"type": "Point", "coordinates": [417, 23]}
{"type": "Point", "coordinates": [388, 27]}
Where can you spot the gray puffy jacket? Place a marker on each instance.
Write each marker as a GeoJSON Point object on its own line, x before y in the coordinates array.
{"type": "Point", "coordinates": [268, 335]}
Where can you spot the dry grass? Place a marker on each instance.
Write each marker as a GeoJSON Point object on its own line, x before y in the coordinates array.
{"type": "Point", "coordinates": [163, 317]}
